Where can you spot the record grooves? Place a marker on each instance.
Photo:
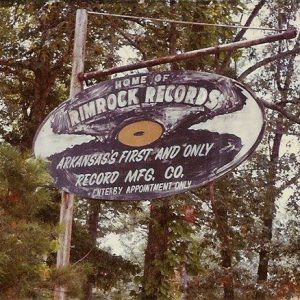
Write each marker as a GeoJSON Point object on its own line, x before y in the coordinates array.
{"type": "Point", "coordinates": [148, 136]}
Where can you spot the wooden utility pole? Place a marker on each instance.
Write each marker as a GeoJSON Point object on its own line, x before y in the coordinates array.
{"type": "Point", "coordinates": [67, 200]}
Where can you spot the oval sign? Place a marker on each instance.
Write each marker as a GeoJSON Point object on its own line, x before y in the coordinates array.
{"type": "Point", "coordinates": [151, 135]}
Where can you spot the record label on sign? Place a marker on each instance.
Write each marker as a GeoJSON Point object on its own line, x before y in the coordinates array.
{"type": "Point", "coordinates": [150, 135]}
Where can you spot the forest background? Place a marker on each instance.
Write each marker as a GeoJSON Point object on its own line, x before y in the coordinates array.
{"type": "Point", "coordinates": [237, 238]}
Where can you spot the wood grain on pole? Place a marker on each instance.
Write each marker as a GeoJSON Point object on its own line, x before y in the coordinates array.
{"type": "Point", "coordinates": [67, 200]}
{"type": "Point", "coordinates": [289, 34]}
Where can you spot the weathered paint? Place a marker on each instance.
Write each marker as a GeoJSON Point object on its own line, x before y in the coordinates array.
{"type": "Point", "coordinates": [207, 124]}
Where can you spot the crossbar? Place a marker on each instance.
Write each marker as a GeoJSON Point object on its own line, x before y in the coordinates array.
{"type": "Point", "coordinates": [289, 34]}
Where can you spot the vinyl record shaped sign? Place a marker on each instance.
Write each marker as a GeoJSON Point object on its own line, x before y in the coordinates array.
{"type": "Point", "coordinates": [150, 135]}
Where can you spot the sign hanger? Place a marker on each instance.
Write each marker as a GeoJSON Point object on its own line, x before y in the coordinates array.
{"type": "Point", "coordinates": [129, 17]}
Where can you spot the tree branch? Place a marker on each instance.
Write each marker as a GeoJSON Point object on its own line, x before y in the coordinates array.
{"type": "Point", "coordinates": [283, 103]}
{"type": "Point", "coordinates": [82, 258]}
{"type": "Point", "coordinates": [290, 67]}
{"type": "Point", "coordinates": [7, 70]}
{"type": "Point", "coordinates": [281, 110]}
{"type": "Point", "coordinates": [268, 60]}
{"type": "Point", "coordinates": [293, 180]}
{"type": "Point", "coordinates": [241, 33]}
{"type": "Point", "coordinates": [15, 63]}
{"type": "Point", "coordinates": [132, 41]}
{"type": "Point", "coordinates": [189, 55]}
{"type": "Point", "coordinates": [253, 14]}
{"type": "Point", "coordinates": [5, 61]}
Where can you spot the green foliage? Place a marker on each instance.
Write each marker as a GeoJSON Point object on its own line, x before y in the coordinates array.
{"type": "Point", "coordinates": [28, 240]}
{"type": "Point", "coordinates": [36, 39]}
{"type": "Point", "coordinates": [106, 269]}
{"type": "Point", "coordinates": [25, 240]}
{"type": "Point", "coordinates": [72, 277]}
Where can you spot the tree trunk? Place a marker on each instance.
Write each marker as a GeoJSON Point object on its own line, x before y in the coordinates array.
{"type": "Point", "coordinates": [223, 229]}
{"type": "Point", "coordinates": [159, 216]}
{"type": "Point", "coordinates": [268, 215]}
{"type": "Point", "coordinates": [156, 247]}
{"type": "Point", "coordinates": [92, 224]}
{"type": "Point", "coordinates": [226, 264]}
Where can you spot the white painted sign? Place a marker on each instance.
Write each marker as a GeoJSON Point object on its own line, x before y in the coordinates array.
{"type": "Point", "coordinates": [150, 135]}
